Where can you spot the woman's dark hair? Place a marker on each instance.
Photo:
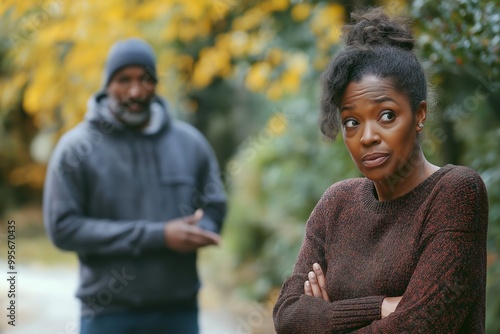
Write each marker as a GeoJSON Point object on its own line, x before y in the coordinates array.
{"type": "Point", "coordinates": [375, 45]}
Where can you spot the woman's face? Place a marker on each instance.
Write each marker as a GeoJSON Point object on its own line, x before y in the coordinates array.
{"type": "Point", "coordinates": [379, 127]}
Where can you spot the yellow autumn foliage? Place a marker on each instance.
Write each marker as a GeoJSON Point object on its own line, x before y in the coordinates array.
{"type": "Point", "coordinates": [395, 7]}
{"type": "Point", "coordinates": [238, 43]}
{"type": "Point", "coordinates": [277, 5]}
{"type": "Point", "coordinates": [32, 175]}
{"type": "Point", "coordinates": [301, 11]}
{"type": "Point", "coordinates": [275, 91]}
{"type": "Point", "coordinates": [274, 56]}
{"type": "Point", "coordinates": [258, 76]}
{"type": "Point", "coordinates": [321, 61]}
{"type": "Point", "coordinates": [298, 62]}
{"type": "Point", "coordinates": [59, 47]}
{"type": "Point", "coordinates": [325, 17]}
{"type": "Point", "coordinates": [290, 81]}
{"type": "Point", "coordinates": [277, 124]}
{"type": "Point", "coordinates": [327, 24]}
{"type": "Point", "coordinates": [18, 8]}
{"type": "Point", "coordinates": [59, 50]}
{"type": "Point", "coordinates": [250, 20]}
{"type": "Point", "coordinates": [213, 62]}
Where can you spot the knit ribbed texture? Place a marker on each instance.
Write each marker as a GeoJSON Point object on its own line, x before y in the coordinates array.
{"type": "Point", "coordinates": [428, 246]}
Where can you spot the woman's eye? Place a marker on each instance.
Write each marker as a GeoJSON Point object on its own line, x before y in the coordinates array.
{"type": "Point", "coordinates": [387, 116]}
{"type": "Point", "coordinates": [350, 123]}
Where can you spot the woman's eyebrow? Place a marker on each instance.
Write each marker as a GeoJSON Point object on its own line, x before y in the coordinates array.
{"type": "Point", "coordinates": [384, 99]}
{"type": "Point", "coordinates": [347, 108]}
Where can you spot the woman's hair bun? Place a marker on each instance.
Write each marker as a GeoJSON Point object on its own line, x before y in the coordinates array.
{"type": "Point", "coordinates": [372, 27]}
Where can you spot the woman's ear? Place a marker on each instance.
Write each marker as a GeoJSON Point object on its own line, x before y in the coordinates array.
{"type": "Point", "coordinates": [421, 115]}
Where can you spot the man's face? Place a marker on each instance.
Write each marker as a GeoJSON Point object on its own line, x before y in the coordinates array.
{"type": "Point", "coordinates": [130, 91]}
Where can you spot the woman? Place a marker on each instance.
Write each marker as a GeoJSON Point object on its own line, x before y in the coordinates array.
{"type": "Point", "coordinates": [402, 250]}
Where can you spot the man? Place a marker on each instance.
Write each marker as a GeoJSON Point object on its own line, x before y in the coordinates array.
{"type": "Point", "coordinates": [134, 194]}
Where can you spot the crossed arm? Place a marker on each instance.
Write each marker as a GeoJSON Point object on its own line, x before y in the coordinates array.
{"type": "Point", "coordinates": [315, 286]}
{"type": "Point", "coordinates": [445, 292]}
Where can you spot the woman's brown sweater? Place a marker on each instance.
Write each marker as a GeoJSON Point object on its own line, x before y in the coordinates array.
{"type": "Point", "coordinates": [428, 246]}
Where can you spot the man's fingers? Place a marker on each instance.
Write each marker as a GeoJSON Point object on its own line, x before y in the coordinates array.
{"type": "Point", "coordinates": [200, 237]}
{"type": "Point", "coordinates": [198, 214]}
{"type": "Point", "coordinates": [183, 236]}
{"type": "Point", "coordinates": [321, 281]}
{"type": "Point", "coordinates": [194, 218]}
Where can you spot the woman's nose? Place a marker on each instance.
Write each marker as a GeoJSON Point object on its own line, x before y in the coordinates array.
{"type": "Point", "coordinates": [370, 135]}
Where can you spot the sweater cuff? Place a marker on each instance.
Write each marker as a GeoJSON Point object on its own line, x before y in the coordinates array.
{"type": "Point", "coordinates": [358, 310]}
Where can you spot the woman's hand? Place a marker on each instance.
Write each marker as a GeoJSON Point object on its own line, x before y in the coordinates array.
{"type": "Point", "coordinates": [389, 305]}
{"type": "Point", "coordinates": [316, 285]}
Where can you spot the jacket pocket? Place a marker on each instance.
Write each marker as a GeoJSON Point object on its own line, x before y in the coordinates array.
{"type": "Point", "coordinates": [179, 192]}
{"type": "Point", "coordinates": [170, 180]}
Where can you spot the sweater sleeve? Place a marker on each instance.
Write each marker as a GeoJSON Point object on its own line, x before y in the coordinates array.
{"type": "Point", "coordinates": [69, 228]}
{"type": "Point", "coordinates": [296, 312]}
{"type": "Point", "coordinates": [449, 281]}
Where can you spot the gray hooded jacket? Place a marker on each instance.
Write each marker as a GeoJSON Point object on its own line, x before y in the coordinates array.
{"type": "Point", "coordinates": [109, 192]}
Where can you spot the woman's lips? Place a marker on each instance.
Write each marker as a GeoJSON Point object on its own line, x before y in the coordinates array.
{"type": "Point", "coordinates": [374, 159]}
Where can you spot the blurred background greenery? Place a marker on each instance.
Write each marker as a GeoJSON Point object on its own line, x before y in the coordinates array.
{"type": "Point", "coordinates": [246, 74]}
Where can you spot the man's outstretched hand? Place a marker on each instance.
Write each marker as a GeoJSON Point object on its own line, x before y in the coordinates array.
{"type": "Point", "coordinates": [184, 235]}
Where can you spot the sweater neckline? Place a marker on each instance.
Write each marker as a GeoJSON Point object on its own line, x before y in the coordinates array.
{"type": "Point", "coordinates": [371, 201]}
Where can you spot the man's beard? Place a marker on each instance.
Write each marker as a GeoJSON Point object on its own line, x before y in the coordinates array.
{"type": "Point", "coordinates": [132, 119]}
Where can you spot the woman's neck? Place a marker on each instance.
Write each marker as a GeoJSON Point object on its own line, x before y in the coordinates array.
{"type": "Point", "coordinates": [410, 175]}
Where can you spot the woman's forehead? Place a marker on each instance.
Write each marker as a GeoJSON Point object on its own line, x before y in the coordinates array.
{"type": "Point", "coordinates": [372, 88]}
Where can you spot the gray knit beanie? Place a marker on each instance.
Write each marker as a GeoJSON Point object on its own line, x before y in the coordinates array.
{"type": "Point", "coordinates": [132, 51]}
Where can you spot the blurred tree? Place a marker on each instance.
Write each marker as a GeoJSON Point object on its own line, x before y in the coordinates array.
{"type": "Point", "coordinates": [16, 131]}
{"type": "Point", "coordinates": [207, 50]}
{"type": "Point", "coordinates": [461, 41]}
{"type": "Point", "coordinates": [51, 59]}
{"type": "Point", "coordinates": [277, 177]}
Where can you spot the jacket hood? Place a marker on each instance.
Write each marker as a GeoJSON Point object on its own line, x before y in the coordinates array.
{"type": "Point", "coordinates": [98, 112]}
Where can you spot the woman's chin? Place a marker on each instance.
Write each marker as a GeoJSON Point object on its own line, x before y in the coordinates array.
{"type": "Point", "coordinates": [376, 175]}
